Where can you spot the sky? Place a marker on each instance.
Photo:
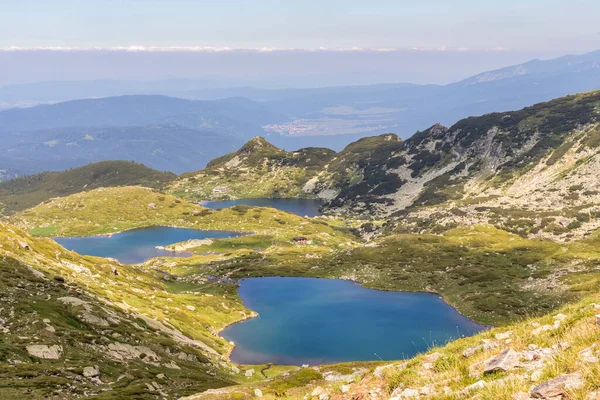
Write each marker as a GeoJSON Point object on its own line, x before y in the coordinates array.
{"type": "Point", "coordinates": [265, 40]}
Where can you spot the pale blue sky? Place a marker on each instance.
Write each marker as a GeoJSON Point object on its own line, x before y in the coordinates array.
{"type": "Point", "coordinates": [480, 24]}
{"type": "Point", "coordinates": [434, 41]}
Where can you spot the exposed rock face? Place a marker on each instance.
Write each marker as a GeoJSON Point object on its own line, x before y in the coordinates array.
{"type": "Point", "coordinates": [53, 352]}
{"type": "Point", "coordinates": [557, 387]}
{"type": "Point", "coordinates": [505, 361]}
{"type": "Point", "coordinates": [124, 351]}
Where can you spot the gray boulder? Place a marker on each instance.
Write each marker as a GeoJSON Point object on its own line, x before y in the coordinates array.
{"type": "Point", "coordinates": [558, 387]}
{"type": "Point", "coordinates": [505, 361]}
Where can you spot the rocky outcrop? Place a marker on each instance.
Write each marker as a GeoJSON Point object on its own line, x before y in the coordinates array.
{"type": "Point", "coordinates": [50, 352]}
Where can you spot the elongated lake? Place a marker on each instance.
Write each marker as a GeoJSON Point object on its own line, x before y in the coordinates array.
{"type": "Point", "coordinates": [138, 245]}
{"type": "Point", "coordinates": [302, 207]}
{"type": "Point", "coordinates": [315, 321]}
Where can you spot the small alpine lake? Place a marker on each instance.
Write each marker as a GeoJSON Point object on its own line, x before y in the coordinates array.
{"type": "Point", "coordinates": [301, 207]}
{"type": "Point", "coordinates": [318, 321]}
{"type": "Point", "coordinates": [138, 245]}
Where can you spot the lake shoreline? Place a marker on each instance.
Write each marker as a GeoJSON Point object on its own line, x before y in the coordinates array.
{"type": "Point", "coordinates": [483, 327]}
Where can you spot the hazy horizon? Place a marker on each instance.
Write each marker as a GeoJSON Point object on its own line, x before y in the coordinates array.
{"type": "Point", "coordinates": [271, 44]}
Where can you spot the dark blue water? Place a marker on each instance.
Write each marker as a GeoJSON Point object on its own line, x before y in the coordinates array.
{"type": "Point", "coordinates": [316, 321]}
{"type": "Point", "coordinates": [137, 245]}
{"type": "Point", "coordinates": [302, 207]}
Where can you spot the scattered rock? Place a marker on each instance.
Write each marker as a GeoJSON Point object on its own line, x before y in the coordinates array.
{"type": "Point", "coordinates": [536, 375]}
{"type": "Point", "coordinates": [408, 394]}
{"type": "Point", "coordinates": [318, 391]}
{"type": "Point", "coordinates": [504, 335]}
{"type": "Point", "coordinates": [542, 328]}
{"type": "Point", "coordinates": [489, 344]}
{"type": "Point", "coordinates": [258, 393]}
{"type": "Point", "coordinates": [383, 369]}
{"type": "Point", "coordinates": [476, 386]}
{"type": "Point", "coordinates": [93, 319]}
{"type": "Point", "coordinates": [505, 361]}
{"type": "Point", "coordinates": [53, 352]}
{"type": "Point", "coordinates": [560, 317]}
{"type": "Point", "coordinates": [431, 358]}
{"type": "Point", "coordinates": [587, 355]}
{"type": "Point", "coordinates": [249, 373]}
{"type": "Point", "coordinates": [191, 308]}
{"type": "Point", "coordinates": [152, 206]}
{"type": "Point", "coordinates": [471, 350]}
{"type": "Point", "coordinates": [557, 387]}
{"type": "Point", "coordinates": [91, 372]}
{"type": "Point", "coordinates": [345, 388]}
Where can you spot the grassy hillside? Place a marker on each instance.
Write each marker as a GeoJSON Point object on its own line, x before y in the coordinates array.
{"type": "Point", "coordinates": [110, 210]}
{"type": "Point", "coordinates": [28, 191]}
{"type": "Point", "coordinates": [131, 325]}
{"type": "Point", "coordinates": [488, 274]}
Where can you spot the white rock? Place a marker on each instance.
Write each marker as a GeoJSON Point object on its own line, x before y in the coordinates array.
{"type": "Point", "coordinates": [249, 373]}
{"type": "Point", "coordinates": [536, 375]}
{"type": "Point", "coordinates": [258, 393]}
{"type": "Point", "coordinates": [53, 352]}
{"type": "Point", "coordinates": [504, 335]}
{"type": "Point", "coordinates": [91, 372]}
{"type": "Point", "coordinates": [476, 386]}
{"type": "Point", "coordinates": [345, 388]}
{"type": "Point", "coordinates": [317, 391]}
{"type": "Point", "coordinates": [560, 317]}
{"type": "Point", "coordinates": [409, 394]}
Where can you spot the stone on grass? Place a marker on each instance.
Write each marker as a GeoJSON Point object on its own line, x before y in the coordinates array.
{"type": "Point", "coordinates": [53, 352]}
{"type": "Point", "coordinates": [91, 372]}
{"type": "Point", "coordinates": [505, 361]}
{"type": "Point", "coordinates": [476, 386]}
{"type": "Point", "coordinates": [560, 386]}
{"type": "Point", "coordinates": [317, 391]}
{"type": "Point", "coordinates": [431, 358]}
{"type": "Point", "coordinates": [503, 335]}
{"type": "Point", "coordinates": [258, 393]}
{"type": "Point", "coordinates": [588, 356]}
{"type": "Point", "coordinates": [471, 350]}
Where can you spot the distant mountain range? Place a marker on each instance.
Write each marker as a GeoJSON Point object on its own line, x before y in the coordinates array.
{"type": "Point", "coordinates": [183, 134]}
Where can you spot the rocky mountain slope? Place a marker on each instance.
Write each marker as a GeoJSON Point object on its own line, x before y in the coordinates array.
{"type": "Point", "coordinates": [529, 171]}
{"type": "Point", "coordinates": [258, 169]}
{"type": "Point", "coordinates": [21, 193]}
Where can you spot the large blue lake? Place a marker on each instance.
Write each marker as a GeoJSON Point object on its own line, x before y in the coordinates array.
{"type": "Point", "coordinates": [315, 321]}
{"type": "Point", "coordinates": [137, 245]}
{"type": "Point", "coordinates": [302, 207]}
